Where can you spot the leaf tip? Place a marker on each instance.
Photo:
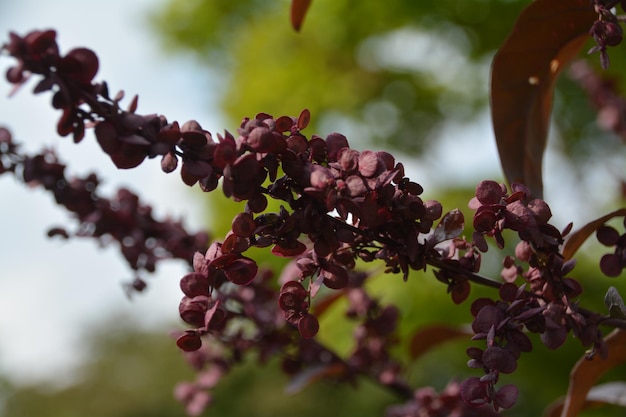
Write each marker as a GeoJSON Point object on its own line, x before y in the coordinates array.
{"type": "Point", "coordinates": [299, 9]}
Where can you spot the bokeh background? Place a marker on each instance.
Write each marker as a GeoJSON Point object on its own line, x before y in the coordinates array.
{"type": "Point", "coordinates": [405, 76]}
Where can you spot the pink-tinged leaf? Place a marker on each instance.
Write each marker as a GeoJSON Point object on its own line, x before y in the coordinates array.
{"type": "Point", "coordinates": [315, 285]}
{"type": "Point", "coordinates": [429, 337]}
{"type": "Point", "coordinates": [214, 316]}
{"type": "Point", "coordinates": [577, 238]}
{"type": "Point", "coordinates": [586, 372]}
{"type": "Point", "coordinates": [547, 35]}
{"type": "Point", "coordinates": [298, 11]}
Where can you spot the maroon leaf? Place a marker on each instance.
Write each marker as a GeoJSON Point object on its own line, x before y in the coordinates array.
{"type": "Point", "coordinates": [194, 284]}
{"type": "Point", "coordinates": [298, 11]}
{"type": "Point", "coordinates": [80, 64]}
{"type": "Point", "coordinates": [243, 225]}
{"type": "Point", "coordinates": [308, 326]}
{"type": "Point", "coordinates": [241, 271]}
{"type": "Point", "coordinates": [546, 37]}
{"type": "Point", "coordinates": [459, 291]}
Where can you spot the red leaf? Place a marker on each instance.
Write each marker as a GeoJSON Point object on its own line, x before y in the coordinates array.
{"type": "Point", "coordinates": [548, 34]}
{"type": "Point", "coordinates": [298, 11]}
{"type": "Point", "coordinates": [577, 238]}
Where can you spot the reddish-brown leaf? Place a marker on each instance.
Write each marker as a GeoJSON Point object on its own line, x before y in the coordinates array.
{"type": "Point", "coordinates": [547, 35]}
{"type": "Point", "coordinates": [579, 237]}
{"type": "Point", "coordinates": [586, 372]}
{"type": "Point", "coordinates": [298, 11]}
{"type": "Point", "coordinates": [304, 119]}
{"type": "Point", "coordinates": [427, 338]}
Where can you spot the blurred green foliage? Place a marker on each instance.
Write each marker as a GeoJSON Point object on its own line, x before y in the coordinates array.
{"type": "Point", "coordinates": [130, 373]}
{"type": "Point", "coordinates": [384, 73]}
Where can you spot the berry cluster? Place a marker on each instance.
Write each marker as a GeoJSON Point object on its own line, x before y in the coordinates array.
{"type": "Point", "coordinates": [379, 214]}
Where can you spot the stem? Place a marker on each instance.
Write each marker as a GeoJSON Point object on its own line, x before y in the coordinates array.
{"type": "Point", "coordinates": [615, 323]}
{"type": "Point", "coordinates": [604, 320]}
{"type": "Point", "coordinates": [435, 262]}
{"type": "Point", "coordinates": [471, 276]}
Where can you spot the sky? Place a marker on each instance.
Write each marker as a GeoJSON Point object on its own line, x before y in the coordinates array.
{"type": "Point", "coordinates": [51, 290]}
